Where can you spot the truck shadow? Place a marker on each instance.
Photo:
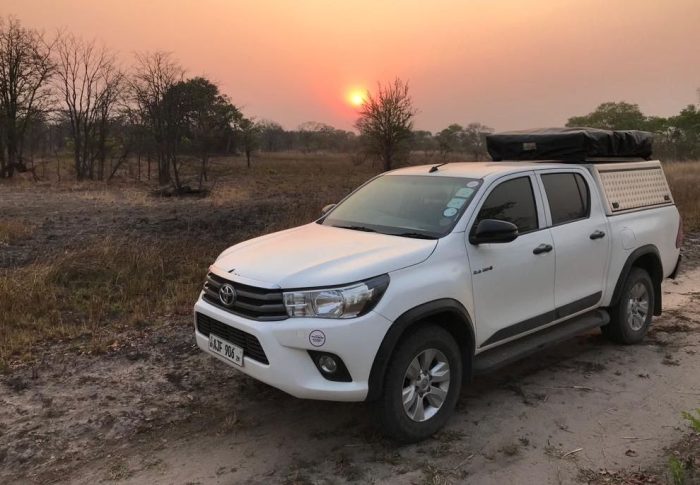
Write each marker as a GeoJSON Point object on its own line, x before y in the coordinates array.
{"type": "Point", "coordinates": [271, 411]}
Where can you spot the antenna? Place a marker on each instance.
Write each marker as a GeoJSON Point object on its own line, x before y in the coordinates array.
{"type": "Point", "coordinates": [434, 168]}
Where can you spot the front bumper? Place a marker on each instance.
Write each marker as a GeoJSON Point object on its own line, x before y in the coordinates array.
{"type": "Point", "coordinates": [286, 344]}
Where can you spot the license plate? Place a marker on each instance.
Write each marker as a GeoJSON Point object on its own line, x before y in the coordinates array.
{"type": "Point", "coordinates": [227, 350]}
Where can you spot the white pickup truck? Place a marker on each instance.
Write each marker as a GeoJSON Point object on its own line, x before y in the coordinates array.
{"type": "Point", "coordinates": [428, 275]}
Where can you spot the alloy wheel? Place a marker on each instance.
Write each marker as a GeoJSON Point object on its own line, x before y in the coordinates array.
{"type": "Point", "coordinates": [425, 385]}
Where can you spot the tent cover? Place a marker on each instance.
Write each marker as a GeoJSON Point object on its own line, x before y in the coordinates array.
{"type": "Point", "coordinates": [569, 144]}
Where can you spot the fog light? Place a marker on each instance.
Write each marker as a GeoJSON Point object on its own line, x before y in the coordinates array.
{"type": "Point", "coordinates": [330, 366]}
{"type": "Point", "coordinates": [327, 364]}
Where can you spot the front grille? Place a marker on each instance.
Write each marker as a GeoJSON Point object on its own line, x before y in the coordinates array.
{"type": "Point", "coordinates": [251, 302]}
{"type": "Point", "coordinates": [249, 343]}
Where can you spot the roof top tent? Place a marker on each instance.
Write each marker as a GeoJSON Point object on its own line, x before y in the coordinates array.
{"type": "Point", "coordinates": [619, 160]}
{"type": "Point", "coordinates": [569, 144]}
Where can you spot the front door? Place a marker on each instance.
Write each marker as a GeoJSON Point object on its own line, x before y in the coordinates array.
{"type": "Point", "coordinates": [513, 283]}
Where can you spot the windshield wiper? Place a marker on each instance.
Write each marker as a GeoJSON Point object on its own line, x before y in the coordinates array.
{"type": "Point", "coordinates": [415, 235]}
{"type": "Point", "coordinates": [357, 228]}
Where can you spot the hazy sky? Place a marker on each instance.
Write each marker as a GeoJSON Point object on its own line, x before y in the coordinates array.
{"type": "Point", "coordinates": [507, 63]}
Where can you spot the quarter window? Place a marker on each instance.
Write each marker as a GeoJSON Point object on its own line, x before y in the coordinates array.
{"type": "Point", "coordinates": [568, 196]}
{"type": "Point", "coordinates": [512, 201]}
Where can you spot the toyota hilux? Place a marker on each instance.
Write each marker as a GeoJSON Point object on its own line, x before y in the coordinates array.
{"type": "Point", "coordinates": [428, 275]}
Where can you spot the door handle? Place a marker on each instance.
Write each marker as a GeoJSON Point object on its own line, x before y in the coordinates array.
{"type": "Point", "coordinates": [542, 248]}
{"type": "Point", "coordinates": [597, 235]}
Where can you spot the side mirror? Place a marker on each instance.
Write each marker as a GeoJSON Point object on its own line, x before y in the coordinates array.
{"type": "Point", "coordinates": [327, 209]}
{"type": "Point", "coordinates": [493, 231]}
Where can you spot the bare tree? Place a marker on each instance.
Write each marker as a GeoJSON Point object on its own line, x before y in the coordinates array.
{"type": "Point", "coordinates": [385, 122]}
{"type": "Point", "coordinates": [155, 74]}
{"type": "Point", "coordinates": [90, 84]}
{"type": "Point", "coordinates": [250, 137]}
{"type": "Point", "coordinates": [25, 69]}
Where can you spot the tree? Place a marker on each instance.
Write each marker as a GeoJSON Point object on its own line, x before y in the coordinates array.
{"type": "Point", "coordinates": [450, 139]}
{"type": "Point", "coordinates": [474, 140]}
{"type": "Point", "coordinates": [250, 137]}
{"type": "Point", "coordinates": [685, 128]}
{"type": "Point", "coordinates": [271, 135]}
{"type": "Point", "coordinates": [25, 70]}
{"type": "Point", "coordinates": [154, 75]}
{"type": "Point", "coordinates": [612, 116]}
{"type": "Point", "coordinates": [206, 116]}
{"type": "Point", "coordinates": [423, 140]}
{"type": "Point", "coordinates": [90, 85]}
{"type": "Point", "coordinates": [470, 139]}
{"type": "Point", "coordinates": [676, 137]}
{"type": "Point", "coordinates": [385, 122]}
{"type": "Point", "coordinates": [314, 136]}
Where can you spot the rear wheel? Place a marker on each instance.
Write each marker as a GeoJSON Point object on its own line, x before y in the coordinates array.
{"type": "Point", "coordinates": [421, 386]}
{"type": "Point", "coordinates": [631, 317]}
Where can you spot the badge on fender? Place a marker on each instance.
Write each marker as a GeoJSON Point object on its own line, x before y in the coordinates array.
{"type": "Point", "coordinates": [317, 338]}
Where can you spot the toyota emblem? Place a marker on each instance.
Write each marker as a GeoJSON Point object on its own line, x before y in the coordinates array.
{"type": "Point", "coordinates": [227, 294]}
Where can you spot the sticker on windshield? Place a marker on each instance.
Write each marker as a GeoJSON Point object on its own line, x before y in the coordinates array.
{"type": "Point", "coordinates": [449, 212]}
{"type": "Point", "coordinates": [473, 183]}
{"type": "Point", "coordinates": [456, 202]}
{"type": "Point", "coordinates": [464, 192]}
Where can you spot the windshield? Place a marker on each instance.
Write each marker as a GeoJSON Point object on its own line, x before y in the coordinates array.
{"type": "Point", "coordinates": [405, 205]}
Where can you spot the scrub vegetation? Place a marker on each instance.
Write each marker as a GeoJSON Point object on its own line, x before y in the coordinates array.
{"type": "Point", "coordinates": [91, 294]}
{"type": "Point", "coordinates": [684, 178]}
{"type": "Point", "coordinates": [12, 231]}
{"type": "Point", "coordinates": [115, 256]}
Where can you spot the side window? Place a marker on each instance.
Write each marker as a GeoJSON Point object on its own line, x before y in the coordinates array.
{"type": "Point", "coordinates": [568, 195]}
{"type": "Point", "coordinates": [512, 201]}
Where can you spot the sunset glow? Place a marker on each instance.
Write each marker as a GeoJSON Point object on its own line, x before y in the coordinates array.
{"type": "Point", "coordinates": [357, 97]}
{"type": "Point", "coordinates": [508, 64]}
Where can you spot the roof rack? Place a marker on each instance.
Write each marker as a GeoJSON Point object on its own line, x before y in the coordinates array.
{"type": "Point", "coordinates": [577, 145]}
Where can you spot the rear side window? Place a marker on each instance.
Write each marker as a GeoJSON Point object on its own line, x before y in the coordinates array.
{"type": "Point", "coordinates": [512, 201]}
{"type": "Point", "coordinates": [568, 196]}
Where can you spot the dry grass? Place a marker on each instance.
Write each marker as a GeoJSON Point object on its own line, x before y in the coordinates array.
{"type": "Point", "coordinates": [12, 231]}
{"type": "Point", "coordinates": [684, 178]}
{"type": "Point", "coordinates": [288, 189]}
{"type": "Point", "coordinates": [90, 295]}
{"type": "Point", "coordinates": [95, 292]}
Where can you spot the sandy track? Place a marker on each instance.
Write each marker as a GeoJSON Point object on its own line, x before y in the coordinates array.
{"type": "Point", "coordinates": [584, 406]}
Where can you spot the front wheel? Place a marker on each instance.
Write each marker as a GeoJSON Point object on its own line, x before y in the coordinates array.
{"type": "Point", "coordinates": [631, 317]}
{"type": "Point", "coordinates": [421, 385]}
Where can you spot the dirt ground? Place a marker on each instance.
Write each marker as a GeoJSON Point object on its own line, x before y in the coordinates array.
{"type": "Point", "coordinates": [154, 409]}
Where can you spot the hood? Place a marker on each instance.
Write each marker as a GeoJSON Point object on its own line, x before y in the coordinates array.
{"type": "Point", "coordinates": [317, 255]}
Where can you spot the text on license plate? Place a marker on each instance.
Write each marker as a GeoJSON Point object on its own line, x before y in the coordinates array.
{"type": "Point", "coordinates": [226, 349]}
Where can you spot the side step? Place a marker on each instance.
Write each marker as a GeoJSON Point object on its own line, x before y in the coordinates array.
{"type": "Point", "coordinates": [517, 349]}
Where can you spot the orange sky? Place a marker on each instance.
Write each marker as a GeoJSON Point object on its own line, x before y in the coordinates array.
{"type": "Point", "coordinates": [506, 63]}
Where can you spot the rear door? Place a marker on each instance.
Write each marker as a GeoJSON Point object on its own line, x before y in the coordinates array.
{"type": "Point", "coordinates": [513, 283]}
{"type": "Point", "coordinates": [581, 243]}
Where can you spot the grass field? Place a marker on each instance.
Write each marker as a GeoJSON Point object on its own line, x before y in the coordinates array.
{"type": "Point", "coordinates": [118, 258]}
{"type": "Point", "coordinates": [97, 259]}
{"type": "Point", "coordinates": [684, 179]}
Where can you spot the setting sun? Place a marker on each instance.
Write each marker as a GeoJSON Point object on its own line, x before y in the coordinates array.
{"type": "Point", "coordinates": [357, 97]}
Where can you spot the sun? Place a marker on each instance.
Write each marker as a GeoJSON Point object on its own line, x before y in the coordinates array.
{"type": "Point", "coordinates": [357, 97]}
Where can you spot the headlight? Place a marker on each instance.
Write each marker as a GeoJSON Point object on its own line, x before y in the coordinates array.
{"type": "Point", "coordinates": [344, 302]}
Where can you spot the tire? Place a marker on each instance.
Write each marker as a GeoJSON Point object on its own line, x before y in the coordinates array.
{"type": "Point", "coordinates": [631, 316]}
{"type": "Point", "coordinates": [406, 373]}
